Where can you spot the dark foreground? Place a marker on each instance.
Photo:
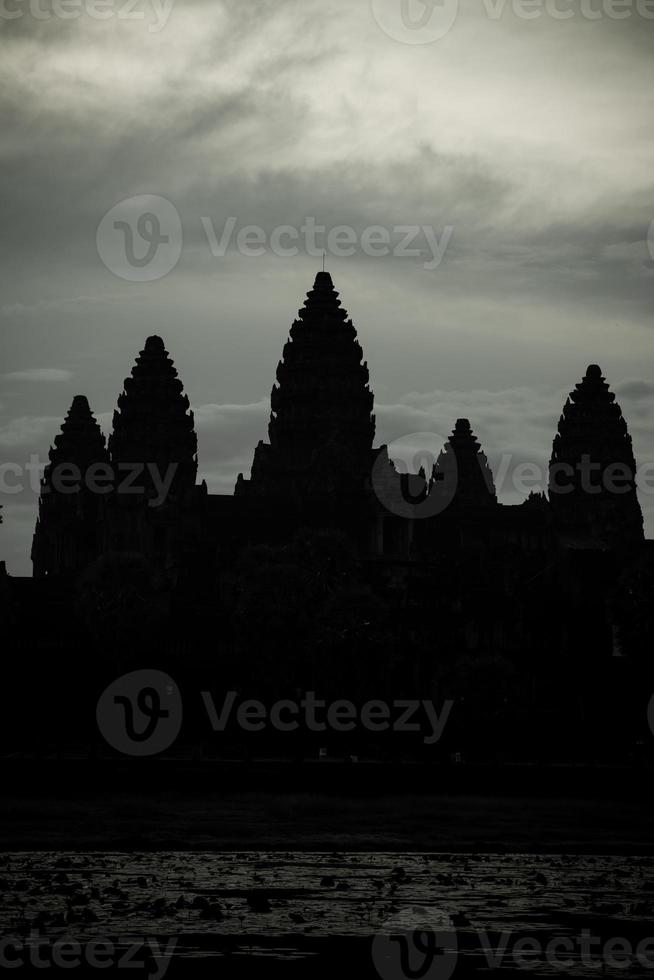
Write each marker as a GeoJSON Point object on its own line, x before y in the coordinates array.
{"type": "Point", "coordinates": [263, 913]}
{"type": "Point", "coordinates": [312, 870]}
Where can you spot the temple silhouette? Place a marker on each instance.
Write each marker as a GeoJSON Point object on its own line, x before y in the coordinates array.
{"type": "Point", "coordinates": [330, 569]}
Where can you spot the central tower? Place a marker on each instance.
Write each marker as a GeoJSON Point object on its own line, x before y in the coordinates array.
{"type": "Point", "coordinates": [321, 424]}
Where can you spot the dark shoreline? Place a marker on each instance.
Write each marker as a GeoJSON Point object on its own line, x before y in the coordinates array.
{"type": "Point", "coordinates": [155, 805]}
{"type": "Point", "coordinates": [332, 777]}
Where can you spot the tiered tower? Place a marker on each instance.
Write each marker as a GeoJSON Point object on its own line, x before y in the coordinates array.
{"type": "Point", "coordinates": [462, 475]}
{"type": "Point", "coordinates": [154, 425]}
{"type": "Point", "coordinates": [593, 470]}
{"type": "Point", "coordinates": [67, 532]}
{"type": "Point", "coordinates": [153, 451]}
{"type": "Point", "coordinates": [321, 425]}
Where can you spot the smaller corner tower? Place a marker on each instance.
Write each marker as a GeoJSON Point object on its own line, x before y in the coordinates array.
{"type": "Point", "coordinates": [592, 485]}
{"type": "Point", "coordinates": [67, 533]}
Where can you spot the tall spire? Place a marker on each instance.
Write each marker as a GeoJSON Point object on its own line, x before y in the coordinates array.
{"type": "Point", "coordinates": [462, 474]}
{"type": "Point", "coordinates": [80, 441]}
{"type": "Point", "coordinates": [321, 427]}
{"type": "Point", "coordinates": [154, 425]}
{"type": "Point", "coordinates": [593, 470]}
{"type": "Point", "coordinates": [66, 538]}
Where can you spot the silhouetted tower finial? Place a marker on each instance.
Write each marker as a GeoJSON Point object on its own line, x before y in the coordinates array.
{"type": "Point", "coordinates": [593, 470]}
{"type": "Point", "coordinates": [66, 537]}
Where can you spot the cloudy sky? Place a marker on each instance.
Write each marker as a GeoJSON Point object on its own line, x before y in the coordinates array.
{"type": "Point", "coordinates": [520, 137]}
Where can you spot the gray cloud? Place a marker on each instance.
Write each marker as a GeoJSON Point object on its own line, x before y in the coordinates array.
{"type": "Point", "coordinates": [636, 390]}
{"type": "Point", "coordinates": [27, 433]}
{"type": "Point", "coordinates": [39, 375]}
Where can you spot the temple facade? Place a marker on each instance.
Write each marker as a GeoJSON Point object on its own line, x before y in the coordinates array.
{"type": "Point", "coordinates": [427, 567]}
{"type": "Point", "coordinates": [320, 468]}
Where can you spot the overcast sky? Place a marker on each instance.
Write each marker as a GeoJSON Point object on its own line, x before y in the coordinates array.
{"type": "Point", "coordinates": [524, 145]}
